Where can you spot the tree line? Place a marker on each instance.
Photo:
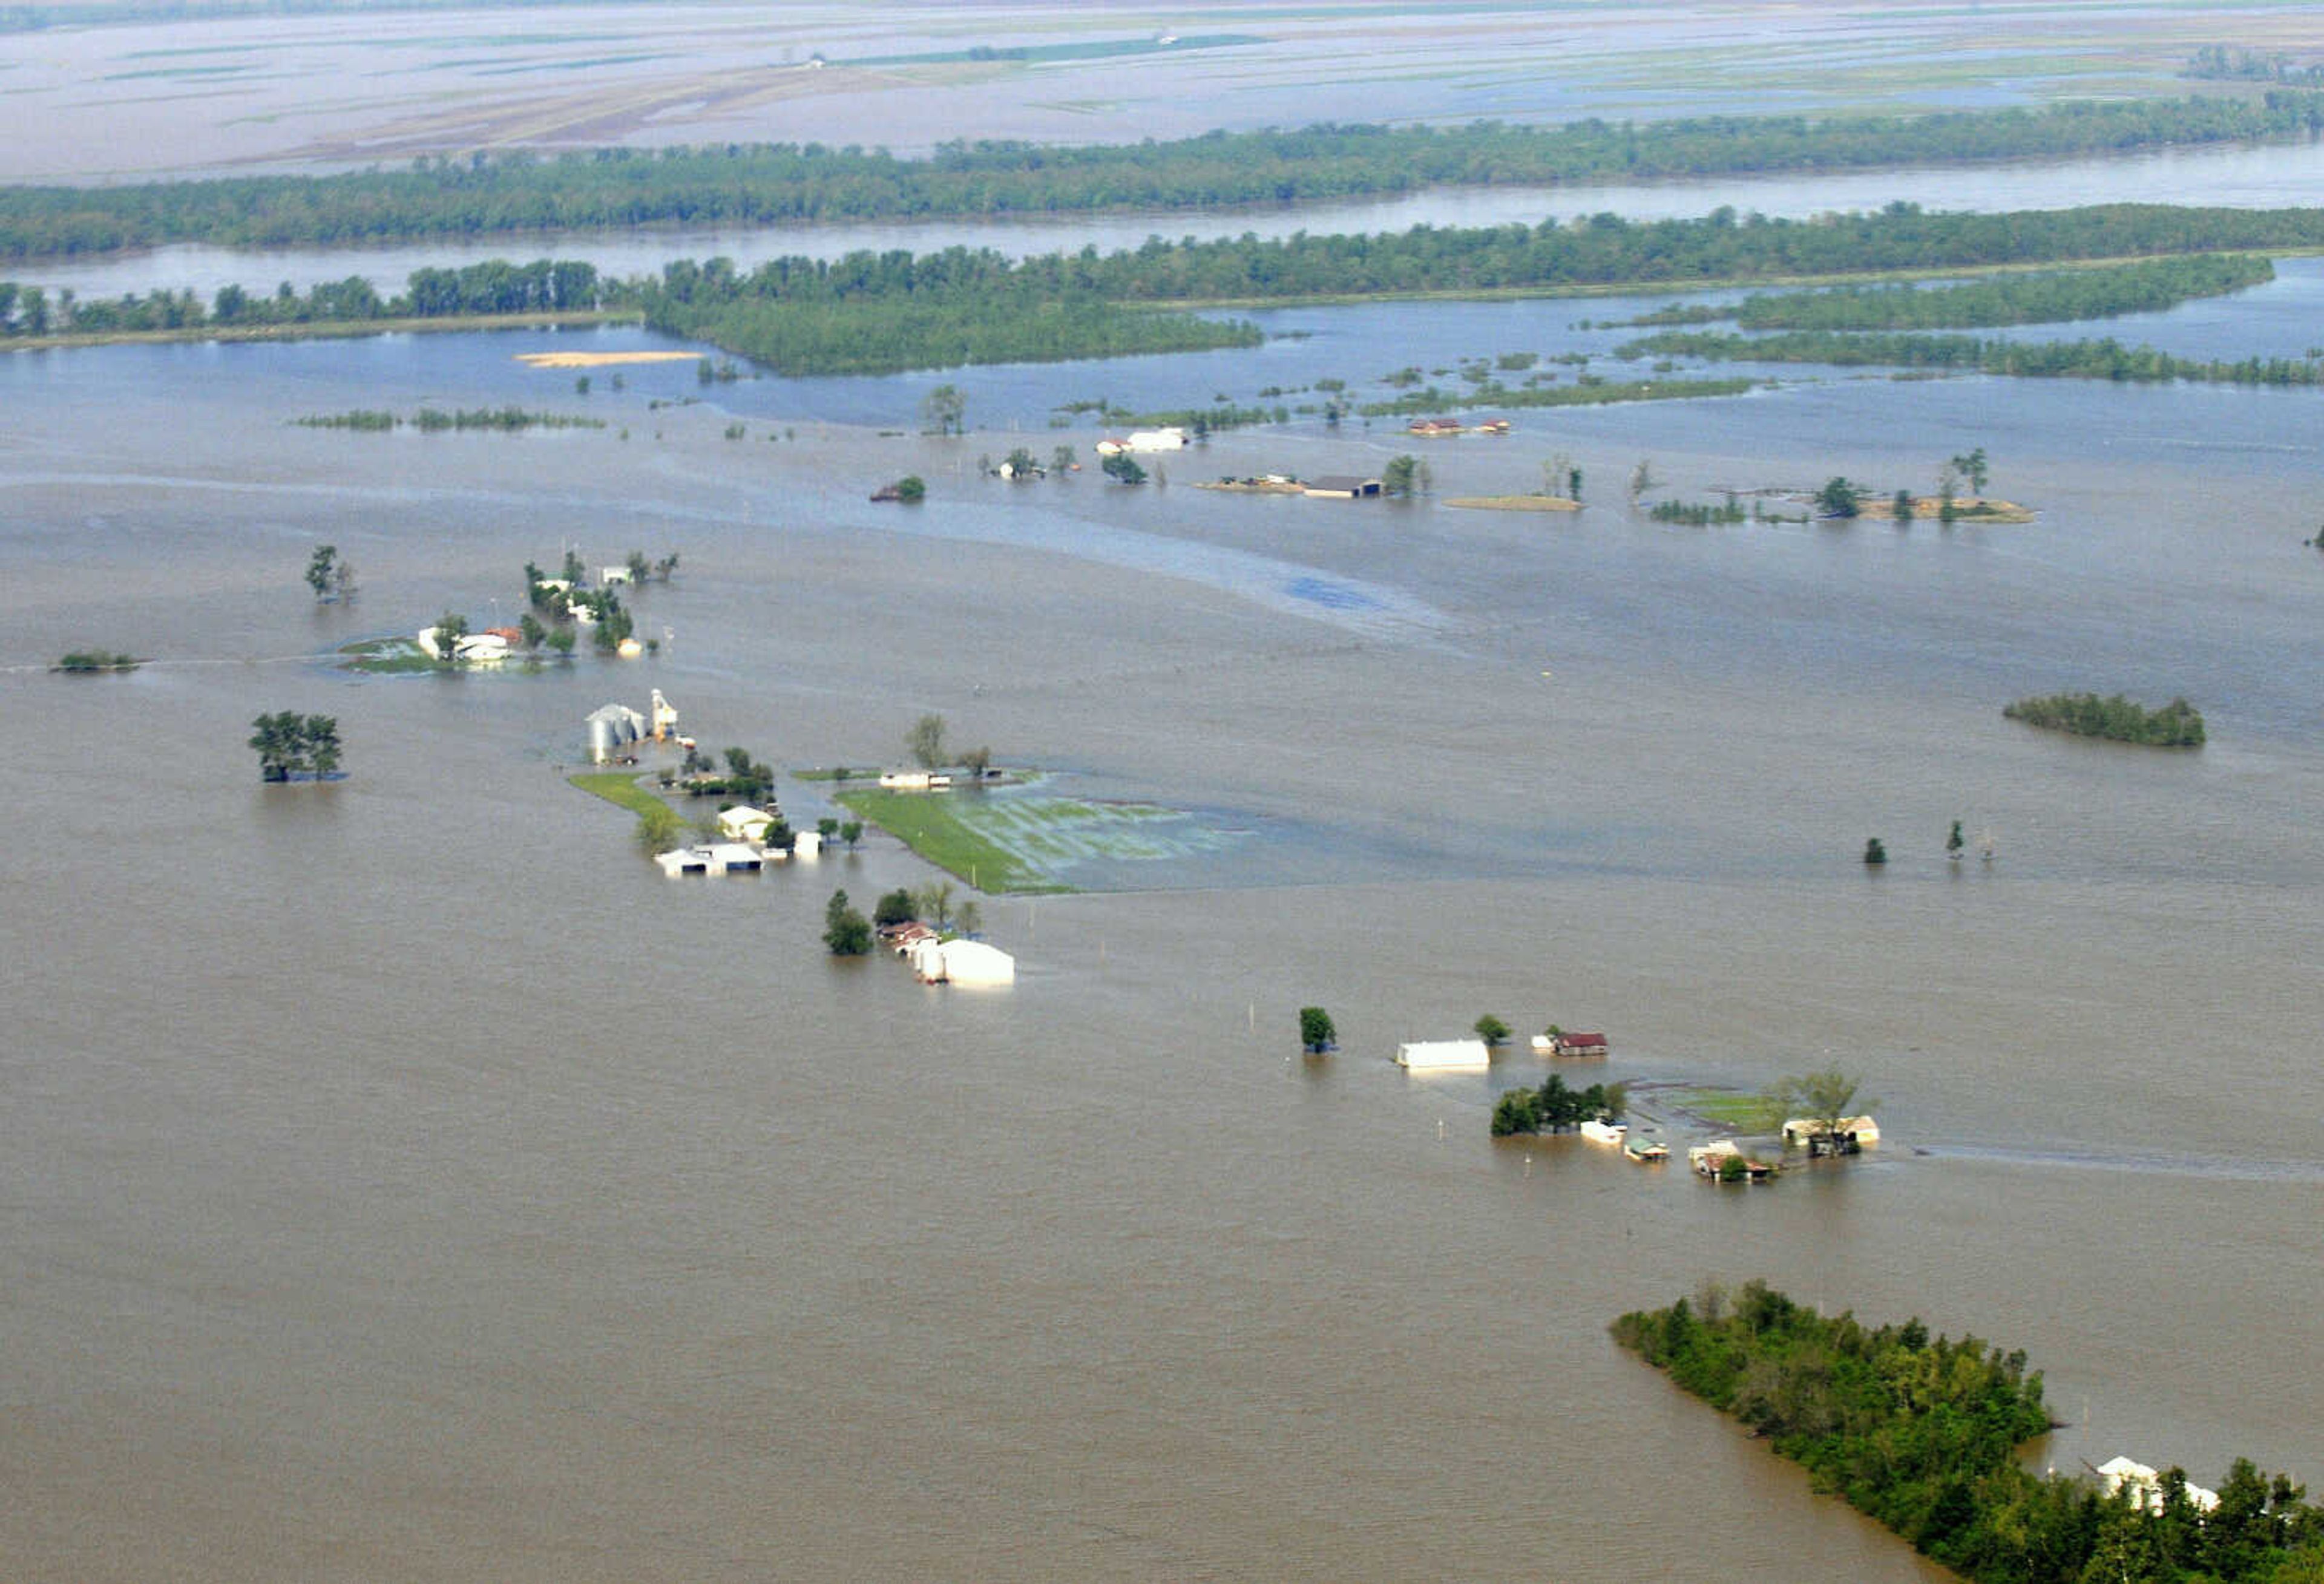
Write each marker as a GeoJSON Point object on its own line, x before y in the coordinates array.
{"type": "Point", "coordinates": [2145, 286]}
{"type": "Point", "coordinates": [495, 286]}
{"type": "Point", "coordinates": [769, 184]}
{"type": "Point", "coordinates": [1924, 1433]}
{"type": "Point", "coordinates": [2103, 358]}
{"type": "Point", "coordinates": [878, 312]}
{"type": "Point", "coordinates": [1555, 1106]}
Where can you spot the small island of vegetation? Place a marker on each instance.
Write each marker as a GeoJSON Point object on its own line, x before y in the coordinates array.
{"type": "Point", "coordinates": [82, 662]}
{"type": "Point", "coordinates": [1924, 1434]}
{"type": "Point", "coordinates": [2177, 725]}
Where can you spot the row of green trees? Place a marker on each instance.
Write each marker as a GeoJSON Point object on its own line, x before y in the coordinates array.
{"type": "Point", "coordinates": [2102, 358]}
{"type": "Point", "coordinates": [493, 287]}
{"type": "Point", "coordinates": [434, 421]}
{"type": "Point", "coordinates": [1923, 1434]}
{"type": "Point", "coordinates": [769, 184]}
{"type": "Point", "coordinates": [879, 312]}
{"type": "Point", "coordinates": [1554, 1106]}
{"type": "Point", "coordinates": [2145, 286]}
{"type": "Point", "coordinates": [2176, 725]}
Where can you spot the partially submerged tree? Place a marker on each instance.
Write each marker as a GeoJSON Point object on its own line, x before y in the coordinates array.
{"type": "Point", "coordinates": [925, 742]}
{"type": "Point", "coordinates": [944, 410]}
{"type": "Point", "coordinates": [933, 903]}
{"type": "Point", "coordinates": [1876, 851]}
{"type": "Point", "coordinates": [660, 828]}
{"type": "Point", "coordinates": [846, 930]}
{"type": "Point", "coordinates": [1837, 497]}
{"type": "Point", "coordinates": [1492, 1030]}
{"type": "Point", "coordinates": [289, 744]}
{"type": "Point", "coordinates": [1825, 1098]}
{"type": "Point", "coordinates": [1316, 1034]}
{"type": "Point", "coordinates": [895, 906]}
{"type": "Point", "coordinates": [322, 570]}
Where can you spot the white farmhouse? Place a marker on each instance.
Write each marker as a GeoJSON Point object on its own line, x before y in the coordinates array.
{"type": "Point", "coordinates": [743, 822]}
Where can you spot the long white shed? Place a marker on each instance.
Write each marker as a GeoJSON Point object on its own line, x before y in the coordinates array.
{"type": "Point", "coordinates": [1442, 1055]}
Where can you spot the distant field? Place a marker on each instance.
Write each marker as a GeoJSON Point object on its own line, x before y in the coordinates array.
{"type": "Point", "coordinates": [360, 82]}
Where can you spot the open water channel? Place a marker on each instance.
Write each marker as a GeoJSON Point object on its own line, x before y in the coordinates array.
{"type": "Point", "coordinates": [404, 1180]}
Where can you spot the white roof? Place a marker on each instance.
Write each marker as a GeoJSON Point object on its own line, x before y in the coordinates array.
{"type": "Point", "coordinates": [2146, 1485]}
{"type": "Point", "coordinates": [1442, 1053]}
{"type": "Point", "coordinates": [713, 857]}
{"type": "Point", "coordinates": [974, 962]}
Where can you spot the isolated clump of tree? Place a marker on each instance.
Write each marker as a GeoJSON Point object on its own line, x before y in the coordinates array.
{"type": "Point", "coordinates": [2177, 725]}
{"type": "Point", "coordinates": [291, 745]}
{"type": "Point", "coordinates": [83, 661]}
{"type": "Point", "coordinates": [1316, 1034]}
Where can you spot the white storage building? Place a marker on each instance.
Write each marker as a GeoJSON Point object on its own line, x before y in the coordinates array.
{"type": "Point", "coordinates": [968, 962]}
{"type": "Point", "coordinates": [1444, 1056]}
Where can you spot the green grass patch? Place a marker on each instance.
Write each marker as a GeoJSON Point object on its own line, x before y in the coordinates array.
{"type": "Point", "coordinates": [1727, 1107]}
{"type": "Point", "coordinates": [618, 787]}
{"type": "Point", "coordinates": [933, 825]}
{"type": "Point", "coordinates": [387, 656]}
{"type": "Point", "coordinates": [1026, 842]}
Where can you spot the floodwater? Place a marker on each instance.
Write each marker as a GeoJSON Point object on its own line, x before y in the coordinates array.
{"type": "Point", "coordinates": [405, 1181]}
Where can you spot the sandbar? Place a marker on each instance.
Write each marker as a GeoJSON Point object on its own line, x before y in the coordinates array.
{"type": "Point", "coordinates": [598, 360]}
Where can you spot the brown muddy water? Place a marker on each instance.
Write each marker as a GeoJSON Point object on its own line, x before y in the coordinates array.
{"type": "Point", "coordinates": [404, 1181]}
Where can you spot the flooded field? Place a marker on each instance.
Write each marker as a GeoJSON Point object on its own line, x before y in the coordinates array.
{"type": "Point", "coordinates": [405, 1180]}
{"type": "Point", "coordinates": [409, 1178]}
